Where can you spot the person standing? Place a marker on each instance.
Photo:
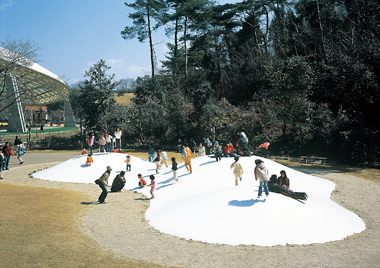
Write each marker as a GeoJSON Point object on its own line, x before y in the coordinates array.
{"type": "Point", "coordinates": [151, 153]}
{"type": "Point", "coordinates": [237, 169]}
{"type": "Point", "coordinates": [207, 143]}
{"type": "Point", "coordinates": [152, 185]}
{"type": "Point", "coordinates": [186, 153]}
{"type": "Point", "coordinates": [103, 184]}
{"type": "Point", "coordinates": [218, 152]}
{"type": "Point", "coordinates": [128, 162]}
{"type": "Point", "coordinates": [262, 173]}
{"type": "Point", "coordinates": [109, 143]}
{"type": "Point", "coordinates": [90, 142]}
{"type": "Point", "coordinates": [201, 151]}
{"type": "Point", "coordinates": [118, 182]}
{"type": "Point", "coordinates": [102, 144]}
{"type": "Point", "coordinates": [264, 149]}
{"type": "Point", "coordinates": [118, 134]}
{"type": "Point", "coordinates": [6, 150]}
{"type": "Point", "coordinates": [179, 146]}
{"type": "Point", "coordinates": [174, 168]}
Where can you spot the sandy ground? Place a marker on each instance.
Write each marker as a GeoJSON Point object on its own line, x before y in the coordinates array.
{"type": "Point", "coordinates": [120, 225]}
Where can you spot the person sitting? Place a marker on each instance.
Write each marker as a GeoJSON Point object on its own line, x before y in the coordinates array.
{"type": "Point", "coordinates": [283, 180]}
{"type": "Point", "coordinates": [84, 151]}
{"type": "Point", "coordinates": [89, 160]}
{"type": "Point", "coordinates": [274, 187]}
{"type": "Point", "coordinates": [142, 182]}
{"type": "Point", "coordinates": [119, 182]}
{"type": "Point", "coordinates": [229, 149]}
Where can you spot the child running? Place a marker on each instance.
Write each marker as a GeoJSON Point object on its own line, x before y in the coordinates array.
{"type": "Point", "coordinates": [238, 170]}
{"type": "Point", "coordinates": [152, 185]}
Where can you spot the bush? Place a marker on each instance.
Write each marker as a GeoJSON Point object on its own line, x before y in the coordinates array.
{"type": "Point", "coordinates": [74, 142]}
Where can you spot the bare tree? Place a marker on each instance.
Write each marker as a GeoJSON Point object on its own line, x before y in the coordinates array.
{"type": "Point", "coordinates": [14, 53]}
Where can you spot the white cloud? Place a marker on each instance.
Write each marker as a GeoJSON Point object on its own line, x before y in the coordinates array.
{"type": "Point", "coordinates": [5, 4]}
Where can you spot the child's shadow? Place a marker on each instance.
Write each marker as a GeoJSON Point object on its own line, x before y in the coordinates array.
{"type": "Point", "coordinates": [245, 203]}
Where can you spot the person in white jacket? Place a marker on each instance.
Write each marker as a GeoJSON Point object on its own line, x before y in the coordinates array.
{"type": "Point", "coordinates": [262, 173]}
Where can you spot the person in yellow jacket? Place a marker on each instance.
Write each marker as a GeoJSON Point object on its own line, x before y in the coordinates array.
{"type": "Point", "coordinates": [186, 153]}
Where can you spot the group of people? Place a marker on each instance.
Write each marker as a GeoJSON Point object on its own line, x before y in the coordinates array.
{"type": "Point", "coordinates": [106, 142]}
{"type": "Point", "coordinates": [274, 184]}
{"type": "Point", "coordinates": [229, 150]}
{"type": "Point", "coordinates": [119, 183]}
{"type": "Point", "coordinates": [161, 158]}
{"type": "Point", "coordinates": [6, 153]}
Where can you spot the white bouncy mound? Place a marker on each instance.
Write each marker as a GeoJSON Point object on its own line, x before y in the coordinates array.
{"type": "Point", "coordinates": [207, 206]}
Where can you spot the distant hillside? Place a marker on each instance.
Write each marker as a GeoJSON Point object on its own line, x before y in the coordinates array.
{"type": "Point", "coordinates": [125, 99]}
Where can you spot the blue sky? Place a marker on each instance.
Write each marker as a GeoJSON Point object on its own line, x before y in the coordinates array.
{"type": "Point", "coordinates": [75, 34]}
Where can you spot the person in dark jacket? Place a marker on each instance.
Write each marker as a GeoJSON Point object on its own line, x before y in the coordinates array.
{"type": "Point", "coordinates": [174, 168]}
{"type": "Point", "coordinates": [283, 180]}
{"type": "Point", "coordinates": [119, 182]}
{"type": "Point", "coordinates": [6, 150]}
{"type": "Point", "coordinates": [274, 187]}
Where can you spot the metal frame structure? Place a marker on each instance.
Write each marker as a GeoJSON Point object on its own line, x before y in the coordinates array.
{"type": "Point", "coordinates": [26, 81]}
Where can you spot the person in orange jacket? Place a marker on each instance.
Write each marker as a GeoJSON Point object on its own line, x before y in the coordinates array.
{"type": "Point", "coordinates": [186, 153]}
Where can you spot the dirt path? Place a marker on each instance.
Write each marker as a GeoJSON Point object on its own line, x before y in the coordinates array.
{"type": "Point", "coordinates": [120, 226]}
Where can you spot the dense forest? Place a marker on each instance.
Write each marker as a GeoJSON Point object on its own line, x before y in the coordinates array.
{"type": "Point", "coordinates": [303, 75]}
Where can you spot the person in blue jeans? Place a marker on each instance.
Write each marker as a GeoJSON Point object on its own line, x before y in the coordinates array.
{"type": "Point", "coordinates": [151, 153]}
{"type": "Point", "coordinates": [262, 173]}
{"type": "Point", "coordinates": [103, 184]}
{"type": "Point", "coordinates": [6, 150]}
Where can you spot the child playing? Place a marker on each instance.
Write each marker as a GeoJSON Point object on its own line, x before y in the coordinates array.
{"type": "Point", "coordinates": [174, 168]}
{"type": "Point", "coordinates": [164, 157]}
{"type": "Point", "coordinates": [158, 161]}
{"type": "Point", "coordinates": [89, 160]}
{"type": "Point", "coordinates": [238, 169]}
{"type": "Point", "coordinates": [152, 185]}
{"type": "Point", "coordinates": [128, 161]}
{"type": "Point", "coordinates": [218, 151]}
{"type": "Point", "coordinates": [84, 151]}
{"type": "Point", "coordinates": [262, 173]}
{"type": "Point", "coordinates": [142, 182]}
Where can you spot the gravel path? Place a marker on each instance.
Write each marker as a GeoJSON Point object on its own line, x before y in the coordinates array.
{"type": "Point", "coordinates": [120, 225]}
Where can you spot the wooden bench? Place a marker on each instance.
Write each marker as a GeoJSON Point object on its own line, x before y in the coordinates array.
{"type": "Point", "coordinates": [308, 159]}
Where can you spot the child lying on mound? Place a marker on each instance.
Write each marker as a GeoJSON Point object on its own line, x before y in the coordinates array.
{"type": "Point", "coordinates": [274, 187]}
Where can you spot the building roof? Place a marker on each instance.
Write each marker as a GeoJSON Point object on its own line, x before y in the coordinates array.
{"type": "Point", "coordinates": [37, 85]}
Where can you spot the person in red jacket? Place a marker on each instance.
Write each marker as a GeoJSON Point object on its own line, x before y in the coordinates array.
{"type": "Point", "coordinates": [229, 149]}
{"type": "Point", "coordinates": [6, 150]}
